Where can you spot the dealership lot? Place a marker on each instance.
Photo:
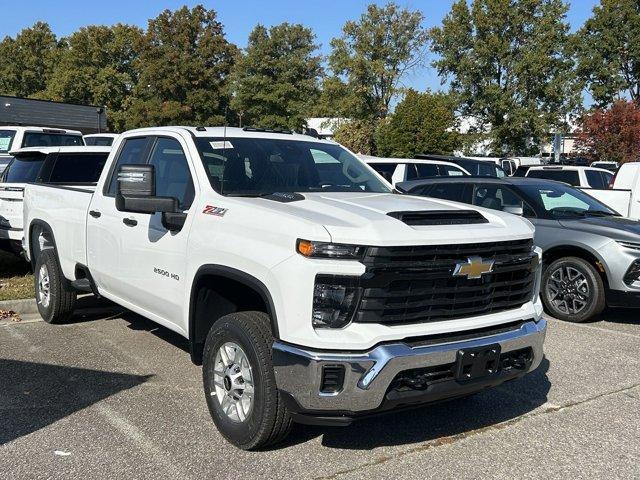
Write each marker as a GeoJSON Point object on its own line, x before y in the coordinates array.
{"type": "Point", "coordinates": [112, 395]}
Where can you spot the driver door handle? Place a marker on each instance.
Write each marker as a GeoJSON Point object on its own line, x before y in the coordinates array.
{"type": "Point", "coordinates": [94, 213]}
{"type": "Point", "coordinates": [130, 222]}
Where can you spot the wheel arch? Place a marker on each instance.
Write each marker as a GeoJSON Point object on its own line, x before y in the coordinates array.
{"type": "Point", "coordinates": [559, 251]}
{"type": "Point", "coordinates": [44, 228]}
{"type": "Point", "coordinates": [239, 290]}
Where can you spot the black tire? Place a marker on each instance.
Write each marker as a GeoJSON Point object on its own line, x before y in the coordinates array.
{"type": "Point", "coordinates": [62, 297]}
{"type": "Point", "coordinates": [268, 422]}
{"type": "Point", "coordinates": [596, 293]}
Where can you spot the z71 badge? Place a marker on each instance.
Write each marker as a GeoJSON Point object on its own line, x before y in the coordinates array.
{"type": "Point", "coordinates": [217, 211]}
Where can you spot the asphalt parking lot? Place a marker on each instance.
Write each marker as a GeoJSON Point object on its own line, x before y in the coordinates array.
{"type": "Point", "coordinates": [112, 395]}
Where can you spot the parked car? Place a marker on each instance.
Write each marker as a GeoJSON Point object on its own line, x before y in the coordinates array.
{"type": "Point", "coordinates": [305, 287]}
{"type": "Point", "coordinates": [13, 138]}
{"type": "Point", "coordinates": [396, 170]}
{"type": "Point", "coordinates": [100, 139]}
{"type": "Point", "coordinates": [591, 255]}
{"type": "Point", "coordinates": [611, 166]}
{"type": "Point", "coordinates": [482, 168]}
{"type": "Point", "coordinates": [68, 166]}
{"type": "Point", "coordinates": [584, 177]}
{"type": "Point", "coordinates": [511, 164]}
{"type": "Point", "coordinates": [623, 196]}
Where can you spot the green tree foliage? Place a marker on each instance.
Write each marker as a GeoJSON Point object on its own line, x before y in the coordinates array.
{"type": "Point", "coordinates": [27, 61]}
{"type": "Point", "coordinates": [608, 51]}
{"type": "Point", "coordinates": [510, 64]}
{"type": "Point", "coordinates": [96, 67]}
{"type": "Point", "coordinates": [611, 134]}
{"type": "Point", "coordinates": [421, 123]}
{"type": "Point", "coordinates": [184, 67]}
{"type": "Point", "coordinates": [276, 82]}
{"type": "Point", "coordinates": [357, 135]}
{"type": "Point", "coordinates": [370, 59]}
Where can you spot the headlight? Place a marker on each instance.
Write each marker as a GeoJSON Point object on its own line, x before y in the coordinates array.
{"type": "Point", "coordinates": [334, 301]}
{"type": "Point", "coordinates": [312, 249]}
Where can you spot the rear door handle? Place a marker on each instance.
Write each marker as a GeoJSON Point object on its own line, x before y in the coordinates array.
{"type": "Point", "coordinates": [130, 222]}
{"type": "Point", "coordinates": [94, 213]}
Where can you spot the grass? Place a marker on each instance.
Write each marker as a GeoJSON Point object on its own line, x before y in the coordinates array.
{"type": "Point", "coordinates": [16, 279]}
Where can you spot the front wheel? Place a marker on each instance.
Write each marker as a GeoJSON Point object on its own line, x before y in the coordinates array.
{"type": "Point", "coordinates": [239, 381]}
{"type": "Point", "coordinates": [572, 290]}
{"type": "Point", "coordinates": [55, 298]}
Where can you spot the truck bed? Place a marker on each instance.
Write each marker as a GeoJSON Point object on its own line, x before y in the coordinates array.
{"type": "Point", "coordinates": [64, 210]}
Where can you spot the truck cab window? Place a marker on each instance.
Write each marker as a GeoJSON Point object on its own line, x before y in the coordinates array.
{"type": "Point", "coordinates": [78, 167]}
{"type": "Point", "coordinates": [133, 151]}
{"type": "Point", "coordinates": [173, 178]}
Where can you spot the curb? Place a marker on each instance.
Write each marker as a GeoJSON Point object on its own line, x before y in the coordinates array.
{"type": "Point", "coordinates": [21, 307]}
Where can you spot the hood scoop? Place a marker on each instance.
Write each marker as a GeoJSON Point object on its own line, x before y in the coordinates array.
{"type": "Point", "coordinates": [439, 217]}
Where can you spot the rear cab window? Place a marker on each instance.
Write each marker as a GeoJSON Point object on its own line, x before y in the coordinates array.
{"type": "Point", "coordinates": [571, 177]}
{"type": "Point", "coordinates": [24, 168]}
{"type": "Point", "coordinates": [50, 139]}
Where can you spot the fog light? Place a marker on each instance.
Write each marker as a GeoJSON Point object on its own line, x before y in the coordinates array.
{"type": "Point", "coordinates": [334, 301]}
{"type": "Point", "coordinates": [633, 273]}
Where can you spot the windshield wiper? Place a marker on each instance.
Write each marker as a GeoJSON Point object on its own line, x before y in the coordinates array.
{"type": "Point", "coordinates": [249, 195]}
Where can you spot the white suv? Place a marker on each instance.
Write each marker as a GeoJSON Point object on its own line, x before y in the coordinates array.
{"type": "Point", "coordinates": [583, 177]}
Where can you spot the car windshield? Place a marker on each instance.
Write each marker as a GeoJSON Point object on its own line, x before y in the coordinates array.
{"type": "Point", "coordinates": [261, 166]}
{"type": "Point", "coordinates": [564, 202]}
{"type": "Point", "coordinates": [24, 169]}
{"type": "Point", "coordinates": [6, 138]}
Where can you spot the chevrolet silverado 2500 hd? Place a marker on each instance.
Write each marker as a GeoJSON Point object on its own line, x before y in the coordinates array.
{"type": "Point", "coordinates": [306, 288]}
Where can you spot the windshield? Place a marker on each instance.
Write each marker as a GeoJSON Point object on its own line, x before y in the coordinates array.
{"type": "Point", "coordinates": [260, 166]}
{"type": "Point", "coordinates": [565, 202]}
{"type": "Point", "coordinates": [24, 169]}
{"type": "Point", "coordinates": [6, 138]}
{"type": "Point", "coordinates": [44, 139]}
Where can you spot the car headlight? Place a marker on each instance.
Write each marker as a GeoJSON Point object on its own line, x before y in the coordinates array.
{"type": "Point", "coordinates": [313, 249]}
{"type": "Point", "coordinates": [334, 301]}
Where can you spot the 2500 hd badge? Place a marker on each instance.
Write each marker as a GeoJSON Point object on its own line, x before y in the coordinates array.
{"type": "Point", "coordinates": [164, 273]}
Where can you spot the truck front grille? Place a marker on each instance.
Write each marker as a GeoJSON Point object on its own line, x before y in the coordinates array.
{"type": "Point", "coordinates": [417, 284]}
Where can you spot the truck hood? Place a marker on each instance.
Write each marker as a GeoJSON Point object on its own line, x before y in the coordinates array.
{"type": "Point", "coordinates": [362, 218]}
{"type": "Point", "coordinates": [617, 228]}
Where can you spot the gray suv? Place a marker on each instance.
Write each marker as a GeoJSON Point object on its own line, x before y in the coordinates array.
{"type": "Point", "coordinates": [591, 255]}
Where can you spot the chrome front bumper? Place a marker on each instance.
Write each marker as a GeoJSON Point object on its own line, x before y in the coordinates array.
{"type": "Point", "coordinates": [368, 375]}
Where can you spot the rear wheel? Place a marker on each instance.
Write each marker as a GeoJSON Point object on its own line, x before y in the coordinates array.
{"type": "Point", "coordinates": [54, 296]}
{"type": "Point", "coordinates": [572, 290]}
{"type": "Point", "coordinates": [239, 382]}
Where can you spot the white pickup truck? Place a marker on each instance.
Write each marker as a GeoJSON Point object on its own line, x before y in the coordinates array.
{"type": "Point", "coordinates": [13, 138]}
{"type": "Point", "coordinates": [307, 290]}
{"type": "Point", "coordinates": [624, 194]}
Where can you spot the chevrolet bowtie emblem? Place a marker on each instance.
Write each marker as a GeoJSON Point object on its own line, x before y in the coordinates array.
{"type": "Point", "coordinates": [474, 267]}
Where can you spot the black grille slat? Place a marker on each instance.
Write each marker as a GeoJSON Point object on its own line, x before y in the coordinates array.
{"type": "Point", "coordinates": [439, 217]}
{"type": "Point", "coordinates": [416, 284]}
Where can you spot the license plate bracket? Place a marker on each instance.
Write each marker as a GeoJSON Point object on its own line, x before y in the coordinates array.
{"type": "Point", "coordinates": [477, 362]}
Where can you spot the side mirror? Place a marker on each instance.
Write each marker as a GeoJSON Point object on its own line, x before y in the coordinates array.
{"type": "Point", "coordinates": [136, 191]}
{"type": "Point", "coordinates": [515, 210]}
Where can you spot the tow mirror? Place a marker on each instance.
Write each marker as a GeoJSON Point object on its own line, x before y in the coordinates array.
{"type": "Point", "coordinates": [136, 191]}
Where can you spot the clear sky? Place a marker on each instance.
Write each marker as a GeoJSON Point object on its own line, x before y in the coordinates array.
{"type": "Point", "coordinates": [325, 17]}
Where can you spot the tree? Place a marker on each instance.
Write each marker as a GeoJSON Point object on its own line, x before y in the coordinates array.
{"type": "Point", "coordinates": [27, 61]}
{"type": "Point", "coordinates": [96, 67]}
{"type": "Point", "coordinates": [421, 123]}
{"type": "Point", "coordinates": [612, 134]}
{"type": "Point", "coordinates": [508, 61]}
{"type": "Point", "coordinates": [370, 59]}
{"type": "Point", "coordinates": [608, 51]}
{"type": "Point", "coordinates": [277, 80]}
{"type": "Point", "coordinates": [184, 67]}
{"type": "Point", "coordinates": [357, 135]}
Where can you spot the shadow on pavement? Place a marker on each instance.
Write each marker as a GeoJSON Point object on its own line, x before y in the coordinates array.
{"type": "Point", "coordinates": [457, 417]}
{"type": "Point", "coordinates": [34, 395]}
{"type": "Point", "coordinates": [628, 316]}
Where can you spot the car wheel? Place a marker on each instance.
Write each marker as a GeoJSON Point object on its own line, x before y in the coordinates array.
{"type": "Point", "coordinates": [572, 290]}
{"type": "Point", "coordinates": [55, 297]}
{"type": "Point", "coordinates": [239, 381]}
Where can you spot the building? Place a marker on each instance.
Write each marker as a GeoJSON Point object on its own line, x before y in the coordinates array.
{"type": "Point", "coordinates": [44, 113]}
